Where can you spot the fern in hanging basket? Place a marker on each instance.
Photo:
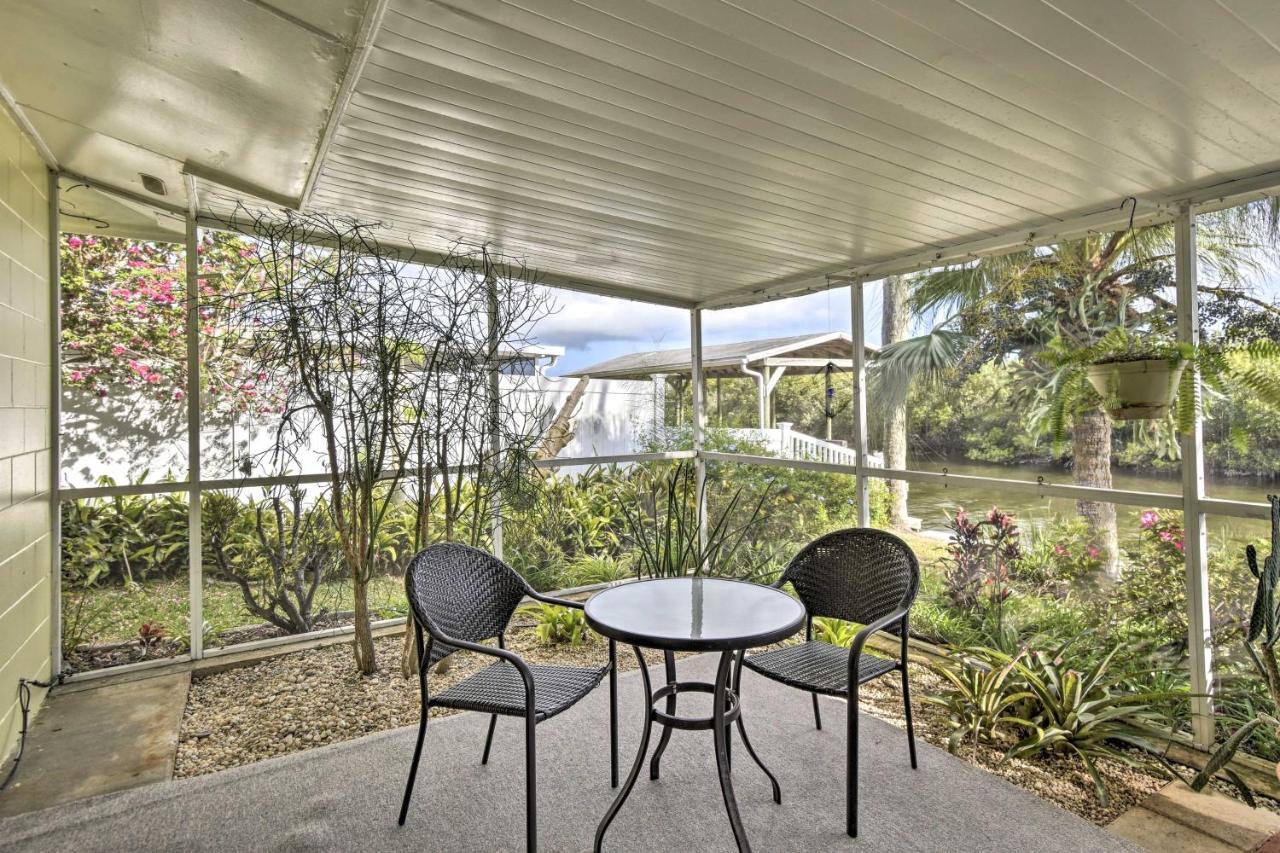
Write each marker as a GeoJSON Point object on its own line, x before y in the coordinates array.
{"type": "Point", "coordinates": [1134, 377]}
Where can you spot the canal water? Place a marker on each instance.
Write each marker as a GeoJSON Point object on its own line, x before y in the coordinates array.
{"type": "Point", "coordinates": [933, 504]}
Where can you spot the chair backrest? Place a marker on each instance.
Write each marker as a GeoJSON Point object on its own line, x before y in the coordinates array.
{"type": "Point", "coordinates": [859, 574]}
{"type": "Point", "coordinates": [461, 592]}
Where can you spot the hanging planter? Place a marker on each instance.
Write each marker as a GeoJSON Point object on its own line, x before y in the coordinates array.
{"type": "Point", "coordinates": [1137, 389]}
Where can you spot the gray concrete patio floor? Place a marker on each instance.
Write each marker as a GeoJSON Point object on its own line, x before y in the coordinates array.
{"type": "Point", "coordinates": [346, 796]}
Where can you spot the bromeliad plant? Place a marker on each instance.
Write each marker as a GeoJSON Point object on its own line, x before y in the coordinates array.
{"type": "Point", "coordinates": [984, 697]}
{"type": "Point", "coordinates": [662, 526]}
{"type": "Point", "coordinates": [1082, 713]}
{"type": "Point", "coordinates": [558, 625]}
{"type": "Point", "coordinates": [1033, 702]}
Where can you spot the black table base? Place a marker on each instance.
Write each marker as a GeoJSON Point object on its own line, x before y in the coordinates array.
{"type": "Point", "coordinates": [726, 710]}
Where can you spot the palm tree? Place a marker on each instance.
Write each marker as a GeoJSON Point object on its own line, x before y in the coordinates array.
{"type": "Point", "coordinates": [1010, 307]}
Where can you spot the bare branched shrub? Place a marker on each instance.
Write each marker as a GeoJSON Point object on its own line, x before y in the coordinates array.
{"type": "Point", "coordinates": [394, 372]}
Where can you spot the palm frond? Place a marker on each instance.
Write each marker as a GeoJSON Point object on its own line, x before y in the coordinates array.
{"type": "Point", "coordinates": [926, 358]}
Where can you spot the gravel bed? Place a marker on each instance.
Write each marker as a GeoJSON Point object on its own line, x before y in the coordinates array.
{"type": "Point", "coordinates": [308, 699]}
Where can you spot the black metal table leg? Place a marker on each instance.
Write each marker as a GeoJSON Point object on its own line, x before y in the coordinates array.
{"type": "Point", "coordinates": [742, 730]}
{"type": "Point", "coordinates": [669, 662]}
{"type": "Point", "coordinates": [613, 714]}
{"type": "Point", "coordinates": [640, 754]}
{"type": "Point", "coordinates": [720, 728]}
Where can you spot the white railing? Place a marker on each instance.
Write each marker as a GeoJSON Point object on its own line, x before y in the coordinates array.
{"type": "Point", "coordinates": [787, 443]}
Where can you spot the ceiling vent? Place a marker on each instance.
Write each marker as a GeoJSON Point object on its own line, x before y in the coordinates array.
{"type": "Point", "coordinates": [152, 184]}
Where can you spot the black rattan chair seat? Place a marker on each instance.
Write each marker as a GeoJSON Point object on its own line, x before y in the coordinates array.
{"type": "Point", "coordinates": [817, 666]}
{"type": "Point", "coordinates": [498, 689]}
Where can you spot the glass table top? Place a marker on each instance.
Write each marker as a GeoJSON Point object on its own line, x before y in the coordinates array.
{"type": "Point", "coordinates": [695, 614]}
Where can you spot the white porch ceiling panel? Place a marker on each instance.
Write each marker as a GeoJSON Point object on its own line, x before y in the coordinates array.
{"type": "Point", "coordinates": [718, 151]}
{"type": "Point", "coordinates": [241, 88]}
{"type": "Point", "coordinates": [705, 152]}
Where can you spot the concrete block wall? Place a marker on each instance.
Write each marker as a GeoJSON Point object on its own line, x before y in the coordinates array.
{"type": "Point", "coordinates": [26, 464]}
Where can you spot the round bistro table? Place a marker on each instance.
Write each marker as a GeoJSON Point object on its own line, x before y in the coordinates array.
{"type": "Point", "coordinates": [694, 615]}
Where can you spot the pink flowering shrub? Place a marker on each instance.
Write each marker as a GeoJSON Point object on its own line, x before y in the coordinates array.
{"type": "Point", "coordinates": [124, 321]}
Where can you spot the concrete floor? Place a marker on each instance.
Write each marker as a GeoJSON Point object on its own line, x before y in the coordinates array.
{"type": "Point", "coordinates": [1177, 820]}
{"type": "Point", "coordinates": [347, 795]}
{"type": "Point", "coordinates": [98, 741]}
{"type": "Point", "coordinates": [93, 739]}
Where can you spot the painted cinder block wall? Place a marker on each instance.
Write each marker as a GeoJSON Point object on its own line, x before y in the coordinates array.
{"type": "Point", "coordinates": [26, 464]}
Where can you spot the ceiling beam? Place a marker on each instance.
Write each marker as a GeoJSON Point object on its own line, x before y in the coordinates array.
{"type": "Point", "coordinates": [19, 116]}
{"type": "Point", "coordinates": [370, 24]}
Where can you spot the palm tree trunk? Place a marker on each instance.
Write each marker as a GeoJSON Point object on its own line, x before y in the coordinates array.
{"type": "Point", "coordinates": [894, 323]}
{"type": "Point", "coordinates": [1091, 465]}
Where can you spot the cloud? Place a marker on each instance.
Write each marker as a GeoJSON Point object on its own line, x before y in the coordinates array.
{"type": "Point", "coordinates": [594, 328]}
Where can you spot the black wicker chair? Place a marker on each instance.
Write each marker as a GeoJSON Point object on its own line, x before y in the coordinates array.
{"type": "Point", "coordinates": [861, 575]}
{"type": "Point", "coordinates": [460, 596]}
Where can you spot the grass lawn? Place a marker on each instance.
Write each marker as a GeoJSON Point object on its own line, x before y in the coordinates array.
{"type": "Point", "coordinates": [112, 614]}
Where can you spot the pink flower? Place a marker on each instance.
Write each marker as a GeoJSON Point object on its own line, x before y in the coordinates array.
{"type": "Point", "coordinates": [117, 350]}
{"type": "Point", "coordinates": [1149, 518]}
{"type": "Point", "coordinates": [90, 241]}
{"type": "Point", "coordinates": [1165, 536]}
{"type": "Point", "coordinates": [1178, 544]}
{"type": "Point", "coordinates": [179, 394]}
{"type": "Point", "coordinates": [74, 242]}
{"type": "Point", "coordinates": [1093, 552]}
{"type": "Point", "coordinates": [1060, 550]}
{"type": "Point", "coordinates": [154, 378]}
{"type": "Point", "coordinates": [76, 375]}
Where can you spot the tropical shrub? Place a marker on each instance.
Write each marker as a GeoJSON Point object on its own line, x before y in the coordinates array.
{"type": "Point", "coordinates": [558, 625]}
{"type": "Point", "coordinates": [980, 556]}
{"type": "Point", "coordinates": [837, 632]}
{"type": "Point", "coordinates": [662, 526]}
{"type": "Point", "coordinates": [1080, 712]}
{"type": "Point", "coordinates": [1056, 556]}
{"type": "Point", "coordinates": [983, 698]}
{"type": "Point", "coordinates": [124, 538]}
{"type": "Point", "coordinates": [599, 568]}
{"type": "Point", "coordinates": [277, 551]}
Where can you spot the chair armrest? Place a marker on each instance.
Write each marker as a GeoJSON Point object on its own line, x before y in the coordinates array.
{"type": "Point", "coordinates": [855, 648]}
{"type": "Point", "coordinates": [493, 651]}
{"type": "Point", "coordinates": [551, 599]}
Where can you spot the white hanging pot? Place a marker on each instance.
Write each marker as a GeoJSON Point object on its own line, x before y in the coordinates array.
{"type": "Point", "coordinates": [1137, 390]}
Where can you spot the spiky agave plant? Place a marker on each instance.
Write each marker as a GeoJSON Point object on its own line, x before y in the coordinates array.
{"type": "Point", "coordinates": [663, 527]}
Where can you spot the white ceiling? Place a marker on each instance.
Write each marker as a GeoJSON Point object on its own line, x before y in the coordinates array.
{"type": "Point", "coordinates": [708, 152]}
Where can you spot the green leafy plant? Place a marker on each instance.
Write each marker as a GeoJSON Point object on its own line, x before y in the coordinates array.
{"type": "Point", "coordinates": [1260, 644]}
{"type": "Point", "coordinates": [1071, 390]}
{"type": "Point", "coordinates": [837, 632]}
{"type": "Point", "coordinates": [1036, 702]}
{"type": "Point", "coordinates": [984, 697]}
{"type": "Point", "coordinates": [662, 525]}
{"type": "Point", "coordinates": [980, 556]}
{"type": "Point", "coordinates": [557, 625]}
{"type": "Point", "coordinates": [594, 569]}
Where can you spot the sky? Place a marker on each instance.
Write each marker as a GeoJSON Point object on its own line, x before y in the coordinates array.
{"type": "Point", "coordinates": [595, 328]}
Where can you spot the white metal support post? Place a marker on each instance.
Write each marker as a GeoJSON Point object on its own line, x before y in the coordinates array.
{"type": "Point", "coordinates": [699, 420]}
{"type": "Point", "coordinates": [55, 425]}
{"type": "Point", "coordinates": [859, 335]}
{"type": "Point", "coordinates": [1193, 517]}
{"type": "Point", "coordinates": [495, 425]}
{"type": "Point", "coordinates": [195, 567]}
